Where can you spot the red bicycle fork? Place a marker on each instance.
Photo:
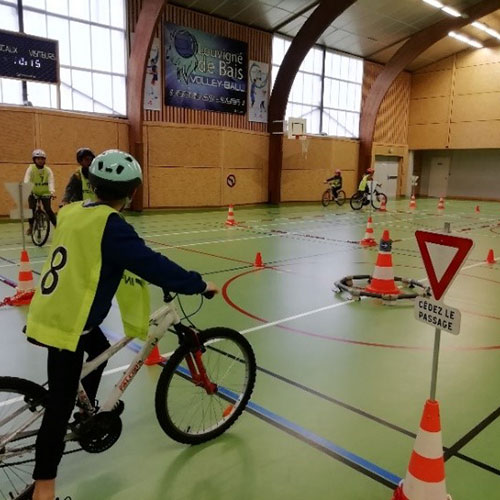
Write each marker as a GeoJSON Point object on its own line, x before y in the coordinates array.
{"type": "Point", "coordinates": [198, 372]}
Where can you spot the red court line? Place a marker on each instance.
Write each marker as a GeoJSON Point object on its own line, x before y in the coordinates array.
{"type": "Point", "coordinates": [344, 340]}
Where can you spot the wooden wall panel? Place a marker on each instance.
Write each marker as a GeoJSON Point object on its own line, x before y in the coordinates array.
{"type": "Point", "coordinates": [475, 135]}
{"type": "Point", "coordinates": [429, 110]}
{"type": "Point", "coordinates": [477, 79]}
{"type": "Point", "coordinates": [476, 107]}
{"type": "Point", "coordinates": [430, 136]}
{"type": "Point", "coordinates": [184, 187]}
{"type": "Point", "coordinates": [10, 172]}
{"type": "Point", "coordinates": [244, 150]}
{"type": "Point", "coordinates": [435, 84]}
{"type": "Point", "coordinates": [18, 137]}
{"type": "Point", "coordinates": [477, 57]}
{"type": "Point", "coordinates": [319, 154]}
{"type": "Point", "coordinates": [303, 185]}
{"type": "Point", "coordinates": [248, 187]}
{"type": "Point", "coordinates": [446, 63]}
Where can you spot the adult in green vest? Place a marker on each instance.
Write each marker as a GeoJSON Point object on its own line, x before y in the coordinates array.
{"type": "Point", "coordinates": [42, 178]}
{"type": "Point", "coordinates": [92, 249]}
{"type": "Point", "coordinates": [78, 187]}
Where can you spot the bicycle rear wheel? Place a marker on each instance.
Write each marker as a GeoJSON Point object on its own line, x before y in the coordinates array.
{"type": "Point", "coordinates": [377, 199]}
{"type": "Point", "coordinates": [41, 228]}
{"type": "Point", "coordinates": [185, 411]}
{"type": "Point", "coordinates": [356, 201]}
{"type": "Point", "coordinates": [340, 199]}
{"type": "Point", "coordinates": [326, 198]}
{"type": "Point", "coordinates": [21, 408]}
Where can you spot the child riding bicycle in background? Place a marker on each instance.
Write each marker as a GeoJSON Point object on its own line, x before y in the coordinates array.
{"type": "Point", "coordinates": [335, 183]}
{"type": "Point", "coordinates": [42, 178]}
{"type": "Point", "coordinates": [92, 248]}
{"type": "Point", "coordinates": [363, 185]}
{"type": "Point", "coordinates": [78, 187]}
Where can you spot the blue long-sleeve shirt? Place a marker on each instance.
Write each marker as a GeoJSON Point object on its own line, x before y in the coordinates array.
{"type": "Point", "coordinates": [121, 249]}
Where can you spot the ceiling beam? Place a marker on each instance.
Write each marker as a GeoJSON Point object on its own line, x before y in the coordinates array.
{"type": "Point", "coordinates": [407, 53]}
{"type": "Point", "coordinates": [326, 12]}
{"type": "Point", "coordinates": [294, 16]}
{"type": "Point", "coordinates": [149, 16]}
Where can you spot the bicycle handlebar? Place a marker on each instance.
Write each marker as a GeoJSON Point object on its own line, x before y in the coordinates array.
{"type": "Point", "coordinates": [167, 297]}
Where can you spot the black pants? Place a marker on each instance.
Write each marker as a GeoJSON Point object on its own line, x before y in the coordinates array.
{"type": "Point", "coordinates": [335, 191]}
{"type": "Point", "coordinates": [64, 368]}
{"type": "Point", "coordinates": [46, 207]}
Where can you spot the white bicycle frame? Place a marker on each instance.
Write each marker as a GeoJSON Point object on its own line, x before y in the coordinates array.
{"type": "Point", "coordinates": [159, 323]}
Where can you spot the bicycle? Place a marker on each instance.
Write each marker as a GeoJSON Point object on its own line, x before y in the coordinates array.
{"type": "Point", "coordinates": [328, 196]}
{"type": "Point", "coordinates": [214, 378]}
{"type": "Point", "coordinates": [375, 197]}
{"type": "Point", "coordinates": [41, 223]}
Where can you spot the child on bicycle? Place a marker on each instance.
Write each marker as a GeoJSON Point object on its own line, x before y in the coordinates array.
{"type": "Point", "coordinates": [92, 247]}
{"type": "Point", "coordinates": [78, 187]}
{"type": "Point", "coordinates": [335, 183]}
{"type": "Point", "coordinates": [42, 178]}
{"type": "Point", "coordinates": [363, 185]}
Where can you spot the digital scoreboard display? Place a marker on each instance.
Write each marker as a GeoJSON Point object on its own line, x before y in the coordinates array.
{"type": "Point", "coordinates": [27, 57]}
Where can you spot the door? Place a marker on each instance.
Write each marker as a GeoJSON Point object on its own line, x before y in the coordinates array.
{"type": "Point", "coordinates": [438, 178]}
{"type": "Point", "coordinates": [386, 173]}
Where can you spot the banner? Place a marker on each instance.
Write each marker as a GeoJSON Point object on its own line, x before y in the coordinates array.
{"type": "Point", "coordinates": [152, 84]}
{"type": "Point", "coordinates": [258, 91]}
{"type": "Point", "coordinates": [204, 71]}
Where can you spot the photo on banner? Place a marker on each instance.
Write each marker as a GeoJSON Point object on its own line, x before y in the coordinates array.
{"type": "Point", "coordinates": [152, 83]}
{"type": "Point", "coordinates": [205, 71]}
{"type": "Point", "coordinates": [258, 91]}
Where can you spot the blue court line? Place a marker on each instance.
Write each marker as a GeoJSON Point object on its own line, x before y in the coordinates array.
{"type": "Point", "coordinates": [347, 457]}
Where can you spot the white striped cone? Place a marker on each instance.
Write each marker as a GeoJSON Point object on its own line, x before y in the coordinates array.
{"type": "Point", "coordinates": [382, 280]}
{"type": "Point", "coordinates": [425, 478]}
{"type": "Point", "coordinates": [413, 202]}
{"type": "Point", "coordinates": [230, 217]}
{"type": "Point", "coordinates": [368, 240]}
{"type": "Point", "coordinates": [383, 206]}
{"type": "Point", "coordinates": [440, 205]}
{"type": "Point", "coordinates": [25, 280]}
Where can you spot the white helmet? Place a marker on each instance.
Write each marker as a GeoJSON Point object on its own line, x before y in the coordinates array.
{"type": "Point", "coordinates": [38, 153]}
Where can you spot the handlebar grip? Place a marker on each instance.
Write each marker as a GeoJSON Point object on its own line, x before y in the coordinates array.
{"type": "Point", "coordinates": [208, 295]}
{"type": "Point", "coordinates": [167, 298]}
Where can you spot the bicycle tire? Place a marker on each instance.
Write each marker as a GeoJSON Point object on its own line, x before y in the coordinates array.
{"type": "Point", "coordinates": [41, 228]}
{"type": "Point", "coordinates": [18, 485]}
{"type": "Point", "coordinates": [341, 197]}
{"type": "Point", "coordinates": [356, 201]}
{"type": "Point", "coordinates": [326, 198]}
{"type": "Point", "coordinates": [245, 358]}
{"type": "Point", "coordinates": [376, 199]}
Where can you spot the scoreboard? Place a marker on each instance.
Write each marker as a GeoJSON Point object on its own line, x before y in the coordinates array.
{"type": "Point", "coordinates": [28, 57]}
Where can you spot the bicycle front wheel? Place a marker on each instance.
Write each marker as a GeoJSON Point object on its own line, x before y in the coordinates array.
{"type": "Point", "coordinates": [340, 200]}
{"type": "Point", "coordinates": [22, 404]}
{"type": "Point", "coordinates": [185, 410]}
{"type": "Point", "coordinates": [356, 201]}
{"type": "Point", "coordinates": [41, 228]}
{"type": "Point", "coordinates": [326, 198]}
{"type": "Point", "coordinates": [377, 199]}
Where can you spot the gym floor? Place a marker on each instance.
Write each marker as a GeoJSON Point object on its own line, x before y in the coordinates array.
{"type": "Point", "coordinates": [341, 384]}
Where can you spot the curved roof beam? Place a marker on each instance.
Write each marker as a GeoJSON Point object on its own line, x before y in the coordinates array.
{"type": "Point", "coordinates": [415, 46]}
{"type": "Point", "coordinates": [143, 38]}
{"type": "Point", "coordinates": [326, 12]}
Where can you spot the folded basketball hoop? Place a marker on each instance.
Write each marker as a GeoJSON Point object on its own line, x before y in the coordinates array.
{"type": "Point", "coordinates": [304, 141]}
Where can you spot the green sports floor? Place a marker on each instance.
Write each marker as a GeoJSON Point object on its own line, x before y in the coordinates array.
{"type": "Point", "coordinates": [341, 384]}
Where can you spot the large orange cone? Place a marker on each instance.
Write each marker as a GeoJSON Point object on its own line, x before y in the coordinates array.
{"type": "Point", "coordinates": [368, 240]}
{"type": "Point", "coordinates": [383, 207]}
{"type": "Point", "coordinates": [440, 205]}
{"type": "Point", "coordinates": [258, 260]}
{"type": "Point", "coordinates": [154, 357]}
{"type": "Point", "coordinates": [491, 257]}
{"type": "Point", "coordinates": [230, 217]}
{"type": "Point", "coordinates": [477, 209]}
{"type": "Point", "coordinates": [382, 280]}
{"type": "Point", "coordinates": [413, 202]}
{"type": "Point", "coordinates": [425, 479]}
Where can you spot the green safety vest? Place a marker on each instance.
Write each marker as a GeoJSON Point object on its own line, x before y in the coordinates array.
{"type": "Point", "coordinates": [363, 183]}
{"type": "Point", "coordinates": [336, 182]}
{"type": "Point", "coordinates": [70, 276]}
{"type": "Point", "coordinates": [39, 177]}
{"type": "Point", "coordinates": [87, 191]}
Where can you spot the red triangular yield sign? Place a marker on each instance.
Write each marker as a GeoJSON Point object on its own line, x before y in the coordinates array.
{"type": "Point", "coordinates": [443, 256]}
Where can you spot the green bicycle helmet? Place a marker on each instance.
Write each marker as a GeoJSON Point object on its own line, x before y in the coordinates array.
{"type": "Point", "coordinates": [114, 175]}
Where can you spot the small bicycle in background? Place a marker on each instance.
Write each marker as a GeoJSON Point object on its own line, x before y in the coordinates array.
{"type": "Point", "coordinates": [329, 197]}
{"type": "Point", "coordinates": [361, 198]}
{"type": "Point", "coordinates": [41, 223]}
{"type": "Point", "coordinates": [203, 388]}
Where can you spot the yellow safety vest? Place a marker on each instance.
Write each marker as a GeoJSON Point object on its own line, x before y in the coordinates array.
{"type": "Point", "coordinates": [39, 177]}
{"type": "Point", "coordinates": [70, 276]}
{"type": "Point", "coordinates": [87, 191]}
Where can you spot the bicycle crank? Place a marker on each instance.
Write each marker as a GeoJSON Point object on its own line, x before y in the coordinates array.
{"type": "Point", "coordinates": [100, 433]}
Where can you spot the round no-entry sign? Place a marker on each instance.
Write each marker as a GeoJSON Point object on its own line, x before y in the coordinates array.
{"type": "Point", "coordinates": [231, 180]}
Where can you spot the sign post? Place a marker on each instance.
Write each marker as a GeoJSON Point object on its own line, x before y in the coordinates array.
{"type": "Point", "coordinates": [443, 256]}
{"type": "Point", "coordinates": [20, 193]}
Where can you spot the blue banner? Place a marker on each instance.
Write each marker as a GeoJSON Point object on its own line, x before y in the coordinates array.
{"type": "Point", "coordinates": [204, 71]}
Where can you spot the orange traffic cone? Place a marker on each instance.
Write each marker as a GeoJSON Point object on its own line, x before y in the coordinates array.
{"type": "Point", "coordinates": [491, 257]}
{"type": "Point", "coordinates": [25, 285]}
{"type": "Point", "coordinates": [258, 260]}
{"type": "Point", "coordinates": [477, 209]}
{"type": "Point", "coordinates": [413, 202]}
{"type": "Point", "coordinates": [230, 217]}
{"type": "Point", "coordinates": [154, 357]}
{"type": "Point", "coordinates": [383, 207]}
{"type": "Point", "coordinates": [425, 478]}
{"type": "Point", "coordinates": [368, 240]}
{"type": "Point", "coordinates": [440, 206]}
{"type": "Point", "coordinates": [382, 280]}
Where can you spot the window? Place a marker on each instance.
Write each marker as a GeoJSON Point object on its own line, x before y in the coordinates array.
{"type": "Point", "coordinates": [326, 90]}
{"type": "Point", "coordinates": [92, 53]}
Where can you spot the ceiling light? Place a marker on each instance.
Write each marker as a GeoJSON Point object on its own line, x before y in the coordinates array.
{"type": "Point", "coordinates": [434, 3]}
{"type": "Point", "coordinates": [463, 38]}
{"type": "Point", "coordinates": [486, 29]}
{"type": "Point", "coordinates": [451, 11]}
